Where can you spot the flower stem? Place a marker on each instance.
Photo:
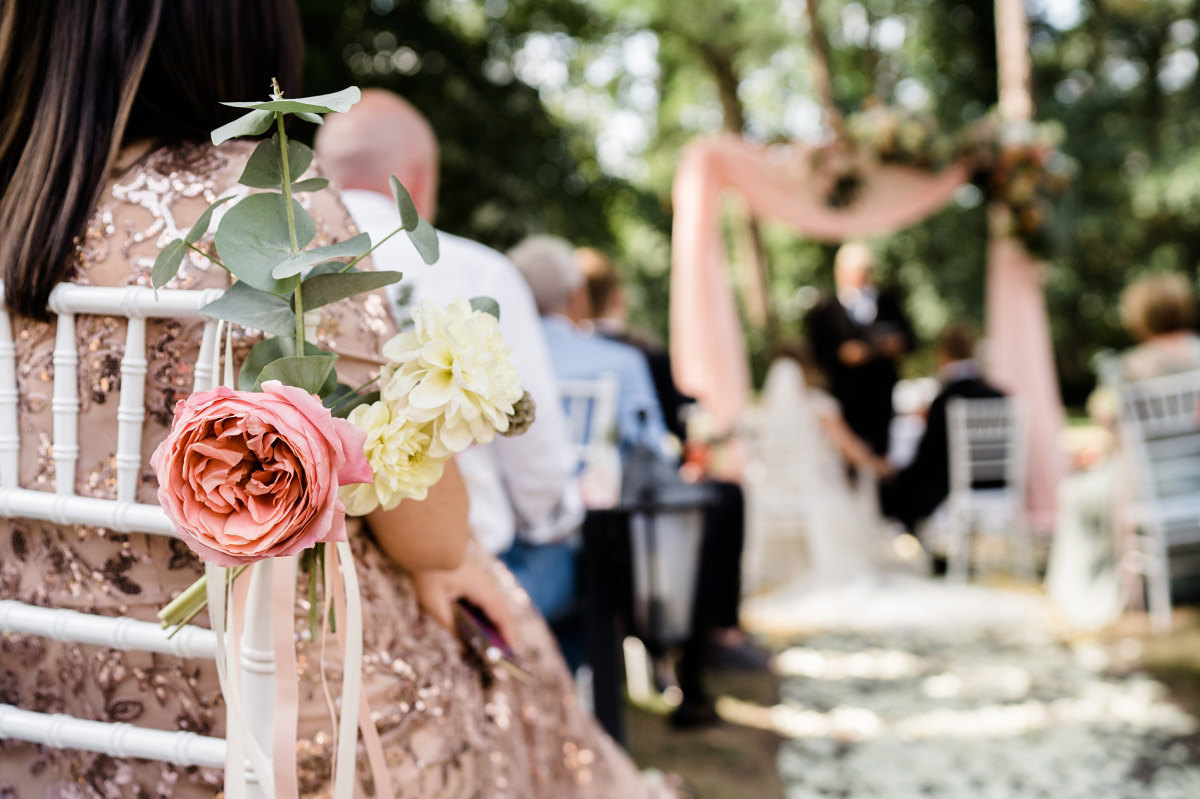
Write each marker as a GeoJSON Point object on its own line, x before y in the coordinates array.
{"type": "Point", "coordinates": [291, 218]}
{"type": "Point", "coordinates": [287, 181]}
{"type": "Point", "coordinates": [180, 611]}
{"type": "Point", "coordinates": [347, 267]}
{"type": "Point", "coordinates": [201, 252]}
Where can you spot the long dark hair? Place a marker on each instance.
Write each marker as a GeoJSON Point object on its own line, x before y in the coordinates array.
{"type": "Point", "coordinates": [79, 79]}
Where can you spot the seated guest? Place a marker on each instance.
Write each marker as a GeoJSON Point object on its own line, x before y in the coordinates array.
{"type": "Point", "coordinates": [1082, 578]}
{"type": "Point", "coordinates": [721, 569]}
{"type": "Point", "coordinates": [916, 491]}
{"type": "Point", "coordinates": [522, 498]}
{"type": "Point", "coordinates": [608, 309]}
{"type": "Point", "coordinates": [1159, 310]}
{"type": "Point", "coordinates": [717, 638]}
{"type": "Point", "coordinates": [560, 291]}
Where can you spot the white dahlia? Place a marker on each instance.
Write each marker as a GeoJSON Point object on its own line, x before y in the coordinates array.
{"type": "Point", "coordinates": [398, 450]}
{"type": "Point", "coordinates": [454, 370]}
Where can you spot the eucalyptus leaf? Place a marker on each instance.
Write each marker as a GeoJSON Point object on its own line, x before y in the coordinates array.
{"type": "Point", "coordinates": [323, 289]}
{"type": "Point", "coordinates": [487, 305]}
{"type": "Point", "coordinates": [424, 238]}
{"type": "Point", "coordinates": [342, 409]}
{"type": "Point", "coordinates": [312, 184]}
{"type": "Point", "coordinates": [252, 124]}
{"type": "Point", "coordinates": [338, 102]}
{"type": "Point", "coordinates": [201, 227]}
{"type": "Point", "coordinates": [167, 264]}
{"type": "Point", "coordinates": [295, 263]}
{"type": "Point", "coordinates": [253, 239]}
{"type": "Point", "coordinates": [409, 218]}
{"type": "Point", "coordinates": [264, 168]}
{"type": "Point", "coordinates": [270, 350]}
{"type": "Point", "coordinates": [316, 119]}
{"type": "Point", "coordinates": [245, 305]}
{"type": "Point", "coordinates": [309, 372]}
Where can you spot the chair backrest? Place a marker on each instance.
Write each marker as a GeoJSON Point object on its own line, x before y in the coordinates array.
{"type": "Point", "coordinates": [124, 514]}
{"type": "Point", "coordinates": [1160, 429]}
{"type": "Point", "coordinates": [590, 407]}
{"type": "Point", "coordinates": [988, 443]}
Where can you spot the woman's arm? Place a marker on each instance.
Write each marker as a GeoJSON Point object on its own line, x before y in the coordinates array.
{"type": "Point", "coordinates": [431, 541]}
{"type": "Point", "coordinates": [430, 534]}
{"type": "Point", "coordinates": [851, 447]}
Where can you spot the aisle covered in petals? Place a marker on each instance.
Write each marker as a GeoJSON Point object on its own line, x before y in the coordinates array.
{"type": "Point", "coordinates": [1001, 711]}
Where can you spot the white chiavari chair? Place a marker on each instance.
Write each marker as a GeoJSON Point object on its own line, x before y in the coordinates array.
{"type": "Point", "coordinates": [1160, 435]}
{"type": "Point", "coordinates": [124, 514]}
{"type": "Point", "coordinates": [988, 441]}
{"type": "Point", "coordinates": [590, 407]}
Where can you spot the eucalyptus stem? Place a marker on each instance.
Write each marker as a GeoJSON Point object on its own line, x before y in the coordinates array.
{"type": "Point", "coordinates": [287, 181]}
{"type": "Point", "coordinates": [181, 610]}
{"type": "Point", "coordinates": [368, 252]}
{"type": "Point", "coordinates": [352, 396]}
{"type": "Point", "coordinates": [201, 252]}
{"type": "Point", "coordinates": [291, 218]}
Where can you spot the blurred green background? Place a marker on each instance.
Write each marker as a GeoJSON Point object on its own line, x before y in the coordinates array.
{"type": "Point", "coordinates": [567, 117]}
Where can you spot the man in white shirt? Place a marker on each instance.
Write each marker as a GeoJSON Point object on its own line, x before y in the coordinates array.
{"type": "Point", "coordinates": [520, 488]}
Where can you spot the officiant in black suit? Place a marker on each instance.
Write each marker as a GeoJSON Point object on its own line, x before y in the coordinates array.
{"type": "Point", "coordinates": [916, 491]}
{"type": "Point", "coordinates": [858, 335]}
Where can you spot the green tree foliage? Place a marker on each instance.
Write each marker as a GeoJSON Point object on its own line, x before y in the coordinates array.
{"type": "Point", "coordinates": [569, 117]}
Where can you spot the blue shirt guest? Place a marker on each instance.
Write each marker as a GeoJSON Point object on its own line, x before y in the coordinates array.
{"type": "Point", "coordinates": [549, 267]}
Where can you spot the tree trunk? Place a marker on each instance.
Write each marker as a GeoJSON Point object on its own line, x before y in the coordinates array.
{"type": "Point", "coordinates": [753, 273]}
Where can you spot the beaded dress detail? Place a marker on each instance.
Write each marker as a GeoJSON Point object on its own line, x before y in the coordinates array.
{"type": "Point", "coordinates": [445, 735]}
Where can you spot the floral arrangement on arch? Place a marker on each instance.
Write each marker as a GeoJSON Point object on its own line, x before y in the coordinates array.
{"type": "Point", "coordinates": [268, 465]}
{"type": "Point", "coordinates": [1020, 167]}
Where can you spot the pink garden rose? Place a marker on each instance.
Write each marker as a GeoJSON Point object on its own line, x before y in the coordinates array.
{"type": "Point", "coordinates": [248, 475]}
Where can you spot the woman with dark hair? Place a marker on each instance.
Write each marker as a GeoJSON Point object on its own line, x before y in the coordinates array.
{"type": "Point", "coordinates": [104, 157]}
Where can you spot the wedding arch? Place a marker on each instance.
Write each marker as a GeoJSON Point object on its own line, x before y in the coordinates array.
{"type": "Point", "coordinates": [788, 183]}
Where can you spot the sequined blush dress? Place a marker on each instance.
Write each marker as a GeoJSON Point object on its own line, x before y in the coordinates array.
{"type": "Point", "coordinates": [446, 736]}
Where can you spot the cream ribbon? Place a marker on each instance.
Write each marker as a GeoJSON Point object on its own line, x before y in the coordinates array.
{"type": "Point", "coordinates": [228, 606]}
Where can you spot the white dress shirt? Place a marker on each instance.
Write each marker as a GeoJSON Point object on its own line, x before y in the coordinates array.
{"type": "Point", "coordinates": [515, 484]}
{"type": "Point", "coordinates": [862, 304]}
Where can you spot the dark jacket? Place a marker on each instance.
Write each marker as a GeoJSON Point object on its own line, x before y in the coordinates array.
{"type": "Point", "coordinates": [863, 391]}
{"type": "Point", "coordinates": [920, 487]}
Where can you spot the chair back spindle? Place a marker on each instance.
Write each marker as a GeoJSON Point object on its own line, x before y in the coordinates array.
{"type": "Point", "coordinates": [136, 305]}
{"type": "Point", "coordinates": [1159, 421]}
{"type": "Point", "coordinates": [988, 451]}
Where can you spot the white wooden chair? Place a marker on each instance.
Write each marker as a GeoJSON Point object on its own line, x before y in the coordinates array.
{"type": "Point", "coordinates": [1160, 433]}
{"type": "Point", "coordinates": [590, 408]}
{"type": "Point", "coordinates": [988, 443]}
{"type": "Point", "coordinates": [123, 514]}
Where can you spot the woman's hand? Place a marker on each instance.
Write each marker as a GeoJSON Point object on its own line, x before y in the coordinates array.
{"type": "Point", "coordinates": [439, 590]}
{"type": "Point", "coordinates": [882, 467]}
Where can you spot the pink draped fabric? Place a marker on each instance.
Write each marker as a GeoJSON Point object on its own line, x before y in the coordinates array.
{"type": "Point", "coordinates": [708, 351]}
{"type": "Point", "coordinates": [1021, 360]}
{"type": "Point", "coordinates": [778, 182]}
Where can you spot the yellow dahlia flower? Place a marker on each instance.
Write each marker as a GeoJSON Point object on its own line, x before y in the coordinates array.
{"type": "Point", "coordinates": [398, 450]}
{"type": "Point", "coordinates": [455, 371]}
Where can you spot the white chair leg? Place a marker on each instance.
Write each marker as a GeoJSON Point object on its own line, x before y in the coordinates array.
{"type": "Point", "coordinates": [1158, 578]}
{"type": "Point", "coordinates": [1021, 541]}
{"type": "Point", "coordinates": [959, 545]}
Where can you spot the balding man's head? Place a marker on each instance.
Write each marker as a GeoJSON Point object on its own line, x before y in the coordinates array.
{"type": "Point", "coordinates": [382, 135]}
{"type": "Point", "coordinates": [852, 266]}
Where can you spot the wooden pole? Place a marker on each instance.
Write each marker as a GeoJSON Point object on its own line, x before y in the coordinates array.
{"type": "Point", "coordinates": [822, 78]}
{"type": "Point", "coordinates": [1014, 65]}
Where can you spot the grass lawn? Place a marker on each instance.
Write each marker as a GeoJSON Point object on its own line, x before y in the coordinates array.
{"type": "Point", "coordinates": [727, 761]}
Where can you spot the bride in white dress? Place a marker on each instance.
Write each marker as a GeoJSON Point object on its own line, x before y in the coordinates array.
{"type": "Point", "coordinates": [856, 572]}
